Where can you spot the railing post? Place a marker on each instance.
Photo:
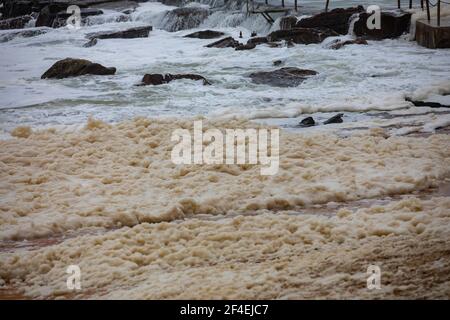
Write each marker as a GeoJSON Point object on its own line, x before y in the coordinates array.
{"type": "Point", "coordinates": [439, 13]}
{"type": "Point", "coordinates": [410, 4]}
{"type": "Point", "coordinates": [295, 4]}
{"type": "Point", "coordinates": [267, 2]}
{"type": "Point", "coordinates": [428, 10]}
{"type": "Point", "coordinates": [282, 3]}
{"type": "Point", "coordinates": [399, 5]}
{"type": "Point", "coordinates": [326, 5]}
{"type": "Point", "coordinates": [421, 4]}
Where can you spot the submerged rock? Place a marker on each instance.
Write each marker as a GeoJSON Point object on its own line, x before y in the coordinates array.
{"type": "Point", "coordinates": [184, 18]}
{"type": "Point", "coordinates": [70, 67]}
{"type": "Point", "coordinates": [257, 40]}
{"type": "Point", "coordinates": [247, 46]}
{"type": "Point", "coordinates": [158, 79]}
{"type": "Point", "coordinates": [307, 122]}
{"type": "Point", "coordinates": [205, 34]}
{"type": "Point", "coordinates": [335, 119]}
{"type": "Point", "coordinates": [90, 43]}
{"type": "Point", "coordinates": [228, 42]}
{"type": "Point", "coordinates": [25, 33]}
{"type": "Point", "coordinates": [336, 19]}
{"type": "Point", "coordinates": [277, 62]}
{"type": "Point", "coordinates": [138, 32]}
{"type": "Point", "coordinates": [419, 103]}
{"type": "Point", "coordinates": [339, 43]}
{"type": "Point", "coordinates": [302, 35]}
{"type": "Point", "coordinates": [393, 25]}
{"type": "Point", "coordinates": [15, 23]}
{"type": "Point", "coordinates": [284, 77]}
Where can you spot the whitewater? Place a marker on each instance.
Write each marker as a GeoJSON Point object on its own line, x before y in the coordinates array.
{"type": "Point", "coordinates": [87, 179]}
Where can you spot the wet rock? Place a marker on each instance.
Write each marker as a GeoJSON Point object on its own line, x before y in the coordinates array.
{"type": "Point", "coordinates": [247, 46]}
{"type": "Point", "coordinates": [393, 25]}
{"type": "Point", "coordinates": [158, 79]}
{"type": "Point", "coordinates": [274, 44]}
{"type": "Point", "coordinates": [284, 77]}
{"type": "Point", "coordinates": [335, 119]}
{"type": "Point", "coordinates": [288, 23]}
{"type": "Point", "coordinates": [14, 8]}
{"type": "Point", "coordinates": [228, 42]}
{"type": "Point", "coordinates": [205, 34]}
{"type": "Point", "coordinates": [15, 23]}
{"type": "Point", "coordinates": [76, 67]}
{"type": "Point", "coordinates": [307, 122]}
{"type": "Point", "coordinates": [253, 34]}
{"type": "Point", "coordinates": [47, 15]}
{"type": "Point", "coordinates": [277, 62]}
{"type": "Point", "coordinates": [419, 103]}
{"type": "Point", "coordinates": [184, 18]}
{"type": "Point", "coordinates": [175, 3]}
{"type": "Point", "coordinates": [339, 43]}
{"type": "Point", "coordinates": [336, 19]}
{"type": "Point", "coordinates": [26, 33]}
{"type": "Point", "coordinates": [90, 43]}
{"type": "Point", "coordinates": [302, 35]}
{"type": "Point", "coordinates": [138, 32]}
{"type": "Point", "coordinates": [257, 40]}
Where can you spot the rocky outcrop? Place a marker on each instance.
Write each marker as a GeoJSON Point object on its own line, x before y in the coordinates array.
{"type": "Point", "coordinates": [336, 19]}
{"type": "Point", "coordinates": [340, 43]}
{"type": "Point", "coordinates": [48, 14]}
{"type": "Point", "coordinates": [15, 23]}
{"type": "Point", "coordinates": [302, 35]}
{"type": "Point", "coordinates": [205, 34]}
{"type": "Point", "coordinates": [393, 25]}
{"type": "Point", "coordinates": [284, 77]}
{"type": "Point", "coordinates": [247, 46]}
{"type": "Point", "coordinates": [335, 119]}
{"type": "Point", "coordinates": [228, 42]}
{"type": "Point", "coordinates": [184, 18]}
{"type": "Point", "coordinates": [13, 8]}
{"type": "Point", "coordinates": [419, 103]}
{"type": "Point", "coordinates": [158, 79]}
{"type": "Point", "coordinates": [76, 67]}
{"type": "Point", "coordinates": [288, 23]}
{"type": "Point", "coordinates": [307, 122]}
{"type": "Point", "coordinates": [257, 40]}
{"type": "Point", "coordinates": [138, 32]}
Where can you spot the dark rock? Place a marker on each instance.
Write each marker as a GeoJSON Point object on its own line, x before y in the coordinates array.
{"type": "Point", "coordinates": [174, 3]}
{"type": "Point", "coordinates": [15, 23]}
{"type": "Point", "coordinates": [184, 18]}
{"type": "Point", "coordinates": [393, 25]}
{"type": "Point", "coordinates": [257, 40]}
{"type": "Point", "coordinates": [339, 43]}
{"type": "Point", "coordinates": [247, 46]}
{"type": "Point", "coordinates": [90, 43]}
{"type": "Point", "coordinates": [336, 19]}
{"type": "Point", "coordinates": [289, 43]}
{"type": "Point", "coordinates": [227, 42]}
{"type": "Point", "coordinates": [47, 15]}
{"type": "Point", "coordinates": [26, 33]}
{"type": "Point", "coordinates": [419, 103]}
{"type": "Point", "coordinates": [158, 79]}
{"type": "Point", "coordinates": [307, 122]}
{"type": "Point", "coordinates": [253, 34]}
{"type": "Point", "coordinates": [288, 23]}
{"type": "Point", "coordinates": [302, 35]}
{"type": "Point", "coordinates": [14, 8]}
{"type": "Point", "coordinates": [284, 77]}
{"type": "Point", "coordinates": [205, 34]}
{"type": "Point", "coordinates": [335, 119]}
{"type": "Point", "coordinates": [277, 63]}
{"type": "Point", "coordinates": [274, 44]}
{"type": "Point", "coordinates": [138, 32]}
{"type": "Point", "coordinates": [76, 67]}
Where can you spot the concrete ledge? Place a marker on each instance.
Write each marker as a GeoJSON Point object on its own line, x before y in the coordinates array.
{"type": "Point", "coordinates": [429, 35]}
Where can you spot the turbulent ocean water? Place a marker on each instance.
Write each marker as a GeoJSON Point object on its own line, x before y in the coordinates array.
{"type": "Point", "coordinates": [357, 78]}
{"type": "Point", "coordinates": [87, 179]}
